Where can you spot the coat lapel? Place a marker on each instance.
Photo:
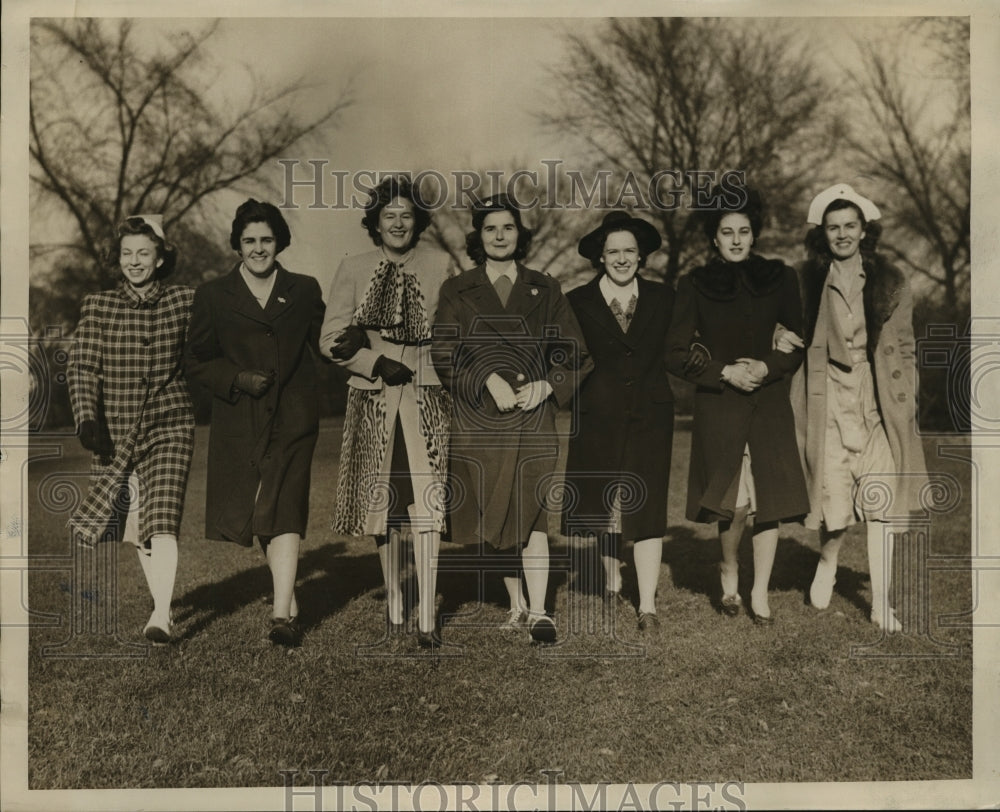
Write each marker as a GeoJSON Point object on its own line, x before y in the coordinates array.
{"type": "Point", "coordinates": [643, 312]}
{"type": "Point", "coordinates": [281, 295]}
{"type": "Point", "coordinates": [525, 296]}
{"type": "Point", "coordinates": [243, 300]}
{"type": "Point", "coordinates": [597, 309]}
{"type": "Point", "coordinates": [479, 294]}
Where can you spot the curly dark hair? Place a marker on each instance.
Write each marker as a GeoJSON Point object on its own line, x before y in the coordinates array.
{"type": "Point", "coordinates": [255, 211]}
{"type": "Point", "coordinates": [817, 244]}
{"type": "Point", "coordinates": [383, 194]}
{"type": "Point", "coordinates": [474, 239]}
{"type": "Point", "coordinates": [752, 206]}
{"type": "Point", "coordinates": [165, 251]}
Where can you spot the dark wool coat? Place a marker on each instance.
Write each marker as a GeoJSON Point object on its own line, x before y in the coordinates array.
{"type": "Point", "coordinates": [503, 464]}
{"type": "Point", "coordinates": [125, 372]}
{"type": "Point", "coordinates": [623, 416]}
{"type": "Point", "coordinates": [733, 309]}
{"type": "Point", "coordinates": [264, 442]}
{"type": "Point", "coordinates": [888, 304]}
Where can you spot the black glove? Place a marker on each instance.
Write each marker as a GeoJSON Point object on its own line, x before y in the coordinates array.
{"type": "Point", "coordinates": [349, 342]}
{"type": "Point", "coordinates": [392, 372]}
{"type": "Point", "coordinates": [95, 438]}
{"type": "Point", "coordinates": [697, 359]}
{"type": "Point", "coordinates": [253, 381]}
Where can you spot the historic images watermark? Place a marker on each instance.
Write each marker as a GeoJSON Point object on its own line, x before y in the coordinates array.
{"type": "Point", "coordinates": [551, 187]}
{"type": "Point", "coordinates": [553, 794]}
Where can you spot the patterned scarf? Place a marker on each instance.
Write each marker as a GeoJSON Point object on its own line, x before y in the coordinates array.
{"type": "Point", "coordinates": [624, 316]}
{"type": "Point", "coordinates": [394, 305]}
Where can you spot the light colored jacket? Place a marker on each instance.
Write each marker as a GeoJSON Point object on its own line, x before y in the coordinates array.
{"type": "Point", "coordinates": [347, 291]}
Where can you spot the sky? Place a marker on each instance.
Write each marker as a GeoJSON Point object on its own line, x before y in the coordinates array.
{"type": "Point", "coordinates": [451, 93]}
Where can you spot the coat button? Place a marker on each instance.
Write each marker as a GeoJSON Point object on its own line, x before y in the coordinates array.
{"type": "Point", "coordinates": [143, 380]}
{"type": "Point", "coordinates": [889, 350]}
{"type": "Point", "coordinates": [628, 353]}
{"type": "Point", "coordinates": [145, 341]}
{"type": "Point", "coordinates": [269, 333]}
{"type": "Point", "coordinates": [901, 397]}
{"type": "Point", "coordinates": [629, 381]}
{"type": "Point", "coordinates": [896, 373]}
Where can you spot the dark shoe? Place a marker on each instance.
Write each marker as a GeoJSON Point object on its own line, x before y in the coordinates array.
{"type": "Point", "coordinates": [542, 629]}
{"type": "Point", "coordinates": [431, 639]}
{"type": "Point", "coordinates": [762, 620]}
{"type": "Point", "coordinates": [648, 622]}
{"type": "Point", "coordinates": [731, 605]}
{"type": "Point", "coordinates": [285, 632]}
{"type": "Point", "coordinates": [157, 635]}
{"type": "Point", "coordinates": [614, 599]}
{"type": "Point", "coordinates": [395, 629]}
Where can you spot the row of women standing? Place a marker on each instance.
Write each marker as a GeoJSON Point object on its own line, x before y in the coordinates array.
{"type": "Point", "coordinates": [454, 384]}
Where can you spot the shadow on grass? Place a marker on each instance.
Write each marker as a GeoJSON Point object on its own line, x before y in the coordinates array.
{"type": "Point", "coordinates": [326, 581]}
{"type": "Point", "coordinates": [694, 566]}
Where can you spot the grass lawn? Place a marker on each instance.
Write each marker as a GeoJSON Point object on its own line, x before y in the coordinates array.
{"type": "Point", "coordinates": [820, 696]}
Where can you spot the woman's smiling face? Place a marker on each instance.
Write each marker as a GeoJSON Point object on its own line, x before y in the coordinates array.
{"type": "Point", "coordinates": [395, 225]}
{"type": "Point", "coordinates": [258, 249]}
{"type": "Point", "coordinates": [620, 257]}
{"type": "Point", "coordinates": [139, 258]}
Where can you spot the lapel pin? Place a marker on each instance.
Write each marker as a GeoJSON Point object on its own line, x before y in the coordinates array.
{"type": "Point", "coordinates": [281, 299]}
{"type": "Point", "coordinates": [534, 291]}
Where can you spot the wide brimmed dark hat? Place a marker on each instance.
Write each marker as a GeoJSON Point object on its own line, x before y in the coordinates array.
{"type": "Point", "coordinates": [645, 233]}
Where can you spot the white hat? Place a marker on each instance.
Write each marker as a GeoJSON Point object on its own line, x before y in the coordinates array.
{"type": "Point", "coordinates": [840, 191]}
{"type": "Point", "coordinates": [154, 221]}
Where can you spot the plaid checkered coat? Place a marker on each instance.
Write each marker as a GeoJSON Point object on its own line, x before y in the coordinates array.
{"type": "Point", "coordinates": [259, 449]}
{"type": "Point", "coordinates": [125, 372]}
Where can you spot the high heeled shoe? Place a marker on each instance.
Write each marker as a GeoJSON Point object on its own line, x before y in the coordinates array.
{"type": "Point", "coordinates": [431, 639]}
{"type": "Point", "coordinates": [731, 605]}
{"type": "Point", "coordinates": [285, 631]}
{"type": "Point", "coordinates": [159, 635]}
{"type": "Point", "coordinates": [394, 628]}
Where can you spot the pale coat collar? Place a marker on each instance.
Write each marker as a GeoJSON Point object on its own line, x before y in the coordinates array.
{"type": "Point", "coordinates": [610, 291]}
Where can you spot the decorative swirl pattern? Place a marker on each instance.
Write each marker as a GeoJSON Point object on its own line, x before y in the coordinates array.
{"type": "Point", "coordinates": [62, 492]}
{"type": "Point", "coordinates": [874, 494]}
{"type": "Point", "coordinates": [941, 493]}
{"type": "Point", "coordinates": [631, 494]}
{"type": "Point", "coordinates": [560, 495]}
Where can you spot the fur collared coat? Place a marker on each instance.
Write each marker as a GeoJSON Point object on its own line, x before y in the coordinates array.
{"type": "Point", "coordinates": [733, 309]}
{"type": "Point", "coordinates": [888, 304]}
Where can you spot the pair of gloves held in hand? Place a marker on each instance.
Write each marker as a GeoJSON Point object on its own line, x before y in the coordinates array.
{"type": "Point", "coordinates": [352, 339]}
{"type": "Point", "coordinates": [394, 373]}
{"type": "Point", "coordinates": [256, 382]}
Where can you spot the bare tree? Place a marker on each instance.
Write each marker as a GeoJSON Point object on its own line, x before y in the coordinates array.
{"type": "Point", "coordinates": [922, 155]}
{"type": "Point", "coordinates": [647, 95]}
{"type": "Point", "coordinates": [116, 128]}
